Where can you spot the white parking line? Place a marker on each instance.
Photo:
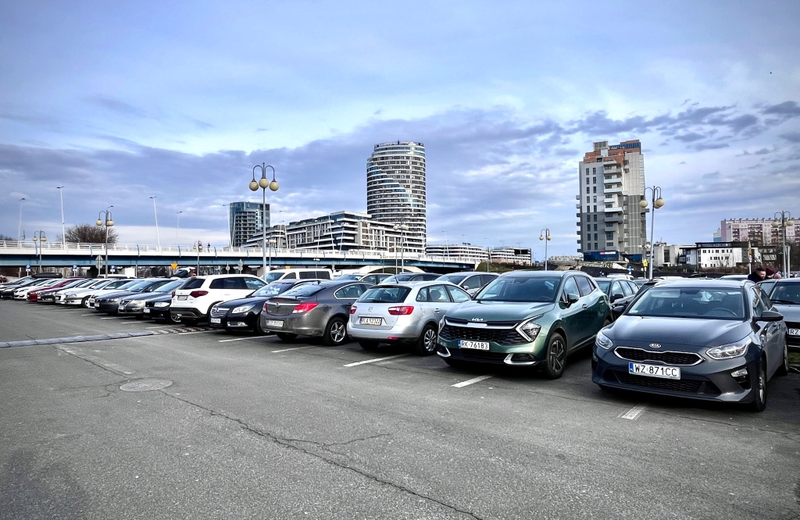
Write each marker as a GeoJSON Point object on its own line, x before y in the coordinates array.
{"type": "Point", "coordinates": [633, 413]}
{"type": "Point", "coordinates": [235, 339]}
{"type": "Point", "coordinates": [376, 360]}
{"type": "Point", "coordinates": [289, 349]}
{"type": "Point", "coordinates": [471, 381]}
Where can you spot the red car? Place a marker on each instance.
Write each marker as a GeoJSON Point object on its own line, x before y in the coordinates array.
{"type": "Point", "coordinates": [33, 296]}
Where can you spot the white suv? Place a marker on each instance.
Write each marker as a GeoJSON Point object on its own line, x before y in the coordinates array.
{"type": "Point", "coordinates": [194, 300]}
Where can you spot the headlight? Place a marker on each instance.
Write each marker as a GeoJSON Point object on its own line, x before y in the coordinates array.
{"type": "Point", "coordinates": [161, 305]}
{"type": "Point", "coordinates": [113, 300]}
{"type": "Point", "coordinates": [529, 328]}
{"type": "Point", "coordinates": [241, 309]}
{"type": "Point", "coordinates": [603, 341]}
{"type": "Point", "coordinates": [731, 350]}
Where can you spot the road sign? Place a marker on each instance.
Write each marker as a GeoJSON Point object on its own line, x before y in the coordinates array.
{"type": "Point", "coordinates": [99, 261]}
{"type": "Point", "coordinates": [28, 267]}
{"type": "Point", "coordinates": [74, 267]}
{"type": "Point", "coordinates": [174, 265]}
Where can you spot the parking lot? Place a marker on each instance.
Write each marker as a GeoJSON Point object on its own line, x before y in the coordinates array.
{"type": "Point", "coordinates": [123, 418]}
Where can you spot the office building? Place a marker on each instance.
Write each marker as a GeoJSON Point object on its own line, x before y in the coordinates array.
{"type": "Point", "coordinates": [396, 190]}
{"type": "Point", "coordinates": [246, 219]}
{"type": "Point", "coordinates": [611, 224]}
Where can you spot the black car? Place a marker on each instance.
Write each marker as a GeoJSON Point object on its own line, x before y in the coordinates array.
{"type": "Point", "coordinates": [243, 313]}
{"type": "Point", "coordinates": [784, 293]}
{"type": "Point", "coordinates": [713, 340]}
{"type": "Point", "coordinates": [109, 303]}
{"type": "Point", "coordinates": [157, 308]}
{"type": "Point", "coordinates": [134, 304]}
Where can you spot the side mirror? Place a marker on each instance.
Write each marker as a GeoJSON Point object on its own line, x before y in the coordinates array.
{"type": "Point", "coordinates": [572, 298]}
{"type": "Point", "coordinates": [616, 296]}
{"type": "Point", "coordinates": [769, 316]}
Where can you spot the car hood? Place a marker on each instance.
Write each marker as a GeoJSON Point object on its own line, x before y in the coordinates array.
{"type": "Point", "coordinates": [114, 294]}
{"type": "Point", "coordinates": [146, 296]}
{"type": "Point", "coordinates": [484, 311]}
{"type": "Point", "coordinates": [639, 331]}
{"type": "Point", "coordinates": [790, 312]}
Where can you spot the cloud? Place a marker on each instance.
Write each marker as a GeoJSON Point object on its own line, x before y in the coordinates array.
{"type": "Point", "coordinates": [116, 105]}
{"type": "Point", "coordinates": [690, 137]}
{"type": "Point", "coordinates": [792, 137]}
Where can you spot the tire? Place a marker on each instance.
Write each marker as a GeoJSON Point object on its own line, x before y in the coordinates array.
{"type": "Point", "coordinates": [85, 302]}
{"type": "Point", "coordinates": [285, 336]}
{"type": "Point", "coordinates": [170, 319]}
{"type": "Point", "coordinates": [368, 345]}
{"type": "Point", "coordinates": [760, 388]}
{"type": "Point", "coordinates": [335, 332]}
{"type": "Point", "coordinates": [784, 368]}
{"type": "Point", "coordinates": [426, 344]}
{"type": "Point", "coordinates": [257, 327]}
{"type": "Point", "coordinates": [555, 356]}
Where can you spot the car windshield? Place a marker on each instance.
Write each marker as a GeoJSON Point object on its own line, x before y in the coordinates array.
{"type": "Point", "coordinates": [394, 294]}
{"type": "Point", "coordinates": [691, 302]}
{"type": "Point", "coordinates": [275, 275]}
{"type": "Point", "coordinates": [785, 293]}
{"type": "Point", "coordinates": [346, 277]}
{"type": "Point", "coordinates": [603, 285]}
{"type": "Point", "coordinates": [274, 288]}
{"type": "Point", "coordinates": [521, 289]}
{"type": "Point", "coordinates": [170, 286]}
{"type": "Point", "coordinates": [452, 278]}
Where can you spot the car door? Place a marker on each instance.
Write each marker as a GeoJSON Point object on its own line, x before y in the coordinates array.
{"type": "Point", "coordinates": [572, 314]}
{"type": "Point", "coordinates": [595, 304]}
{"type": "Point", "coordinates": [772, 333]}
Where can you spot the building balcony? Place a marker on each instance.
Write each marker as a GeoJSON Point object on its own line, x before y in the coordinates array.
{"type": "Point", "coordinates": [612, 209]}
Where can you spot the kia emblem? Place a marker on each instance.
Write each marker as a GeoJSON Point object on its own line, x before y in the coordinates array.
{"type": "Point", "coordinates": [655, 345]}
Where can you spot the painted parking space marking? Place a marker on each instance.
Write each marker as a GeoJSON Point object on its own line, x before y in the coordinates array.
{"type": "Point", "coordinates": [290, 349]}
{"type": "Point", "coordinates": [633, 413]}
{"type": "Point", "coordinates": [376, 360]}
{"type": "Point", "coordinates": [235, 339]}
{"type": "Point", "coordinates": [472, 381]}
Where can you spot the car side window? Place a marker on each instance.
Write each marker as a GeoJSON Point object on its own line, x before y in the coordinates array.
{"type": "Point", "coordinates": [473, 282]}
{"type": "Point", "coordinates": [760, 304]}
{"type": "Point", "coordinates": [584, 285]}
{"type": "Point", "coordinates": [458, 295]}
{"type": "Point", "coordinates": [437, 293]}
{"type": "Point", "coordinates": [422, 295]}
{"type": "Point", "coordinates": [290, 276]}
{"type": "Point", "coordinates": [570, 287]}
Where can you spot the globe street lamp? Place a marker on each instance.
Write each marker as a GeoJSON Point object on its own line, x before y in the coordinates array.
{"type": "Point", "coordinates": [63, 230]}
{"type": "Point", "coordinates": [657, 202]}
{"type": "Point", "coordinates": [783, 219]}
{"type": "Point", "coordinates": [40, 239]}
{"type": "Point", "coordinates": [545, 235]}
{"type": "Point", "coordinates": [271, 245]}
{"type": "Point", "coordinates": [155, 214]}
{"type": "Point", "coordinates": [106, 221]}
{"type": "Point", "coordinates": [264, 183]}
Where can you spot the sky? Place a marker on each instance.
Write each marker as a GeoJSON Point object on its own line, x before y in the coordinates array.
{"type": "Point", "coordinates": [122, 101]}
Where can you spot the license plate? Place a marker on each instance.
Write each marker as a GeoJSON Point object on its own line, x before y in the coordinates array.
{"type": "Point", "coordinates": [120, 308]}
{"type": "Point", "coordinates": [661, 371]}
{"type": "Point", "coordinates": [182, 297]}
{"type": "Point", "coordinates": [278, 324]}
{"type": "Point", "coordinates": [146, 310]}
{"type": "Point", "coordinates": [370, 321]}
{"type": "Point", "coordinates": [478, 345]}
{"type": "Point", "coordinates": [794, 332]}
{"type": "Point", "coordinates": [214, 320]}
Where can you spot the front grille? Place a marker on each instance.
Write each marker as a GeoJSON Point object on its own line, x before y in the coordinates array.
{"type": "Point", "coordinates": [500, 336]}
{"type": "Point", "coordinates": [670, 358]}
{"type": "Point", "coordinates": [477, 356]}
{"type": "Point", "coordinates": [689, 386]}
{"type": "Point", "coordinates": [218, 312]}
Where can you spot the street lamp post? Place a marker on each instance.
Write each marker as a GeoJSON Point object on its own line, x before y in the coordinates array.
{"type": "Point", "coordinates": [177, 225]}
{"type": "Point", "coordinates": [19, 233]}
{"type": "Point", "coordinates": [264, 183]}
{"type": "Point", "coordinates": [403, 228]}
{"type": "Point", "coordinates": [657, 202]}
{"type": "Point", "coordinates": [38, 240]}
{"type": "Point", "coordinates": [783, 219]}
{"type": "Point", "coordinates": [271, 245]}
{"type": "Point", "coordinates": [544, 234]}
{"type": "Point", "coordinates": [155, 214]}
{"type": "Point", "coordinates": [63, 227]}
{"type": "Point", "coordinates": [106, 221]}
{"type": "Point", "coordinates": [198, 245]}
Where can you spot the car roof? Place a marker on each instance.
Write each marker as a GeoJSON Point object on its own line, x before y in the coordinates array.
{"type": "Point", "coordinates": [705, 282]}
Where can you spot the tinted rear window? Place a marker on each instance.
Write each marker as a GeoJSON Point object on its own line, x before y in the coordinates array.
{"type": "Point", "coordinates": [385, 295]}
{"type": "Point", "coordinates": [302, 291]}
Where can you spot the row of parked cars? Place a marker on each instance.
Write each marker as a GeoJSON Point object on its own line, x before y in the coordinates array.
{"type": "Point", "coordinates": [718, 340]}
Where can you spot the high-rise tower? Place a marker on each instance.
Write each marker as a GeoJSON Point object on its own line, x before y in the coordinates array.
{"type": "Point", "coordinates": [611, 223]}
{"type": "Point", "coordinates": [396, 189]}
{"type": "Point", "coordinates": [245, 219]}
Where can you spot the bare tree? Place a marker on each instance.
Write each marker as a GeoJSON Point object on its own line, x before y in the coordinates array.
{"type": "Point", "coordinates": [90, 233]}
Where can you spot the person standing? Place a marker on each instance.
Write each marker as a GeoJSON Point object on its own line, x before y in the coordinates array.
{"type": "Point", "coordinates": [757, 275]}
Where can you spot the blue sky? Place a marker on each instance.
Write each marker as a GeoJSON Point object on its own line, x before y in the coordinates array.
{"type": "Point", "coordinates": [121, 101]}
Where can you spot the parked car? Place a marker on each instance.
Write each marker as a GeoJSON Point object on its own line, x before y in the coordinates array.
{"type": "Point", "coordinates": [81, 296]}
{"type": "Point", "coordinates": [312, 310]}
{"type": "Point", "coordinates": [48, 295]}
{"type": "Point", "coordinates": [784, 293]}
{"type": "Point", "coordinates": [194, 300]}
{"type": "Point", "coordinates": [244, 313]}
{"type": "Point", "coordinates": [109, 302]}
{"type": "Point", "coordinates": [124, 284]}
{"type": "Point", "coordinates": [82, 284]}
{"type": "Point", "coordinates": [299, 273]}
{"type": "Point", "coordinates": [21, 293]}
{"type": "Point", "coordinates": [526, 318]}
{"type": "Point", "coordinates": [374, 278]}
{"type": "Point", "coordinates": [134, 304]}
{"type": "Point", "coordinates": [409, 277]}
{"type": "Point", "coordinates": [715, 340]}
{"type": "Point", "coordinates": [620, 292]}
{"type": "Point", "coordinates": [470, 281]}
{"type": "Point", "coordinates": [404, 312]}
{"type": "Point", "coordinates": [157, 308]}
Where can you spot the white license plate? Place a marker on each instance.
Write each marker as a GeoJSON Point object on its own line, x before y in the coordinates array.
{"type": "Point", "coordinates": [278, 324]}
{"type": "Point", "coordinates": [661, 371]}
{"type": "Point", "coordinates": [370, 321]}
{"type": "Point", "coordinates": [794, 332]}
{"type": "Point", "coordinates": [182, 297]}
{"type": "Point", "coordinates": [146, 310]}
{"type": "Point", "coordinates": [214, 320]}
{"type": "Point", "coordinates": [120, 308]}
{"type": "Point", "coordinates": [478, 345]}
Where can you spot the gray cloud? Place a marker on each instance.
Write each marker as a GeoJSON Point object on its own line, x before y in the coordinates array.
{"type": "Point", "coordinates": [116, 105]}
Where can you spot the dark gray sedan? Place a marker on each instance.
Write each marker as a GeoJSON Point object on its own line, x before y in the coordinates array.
{"type": "Point", "coordinates": [784, 293]}
{"type": "Point", "coordinates": [312, 310]}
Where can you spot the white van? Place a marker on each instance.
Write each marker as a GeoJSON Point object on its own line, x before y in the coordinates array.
{"type": "Point", "coordinates": [299, 273]}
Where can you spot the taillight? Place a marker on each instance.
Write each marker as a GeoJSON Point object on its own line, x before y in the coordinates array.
{"type": "Point", "coordinates": [197, 294]}
{"type": "Point", "coordinates": [304, 307]}
{"type": "Point", "coordinates": [264, 307]}
{"type": "Point", "coordinates": [401, 310]}
{"type": "Point", "coordinates": [352, 309]}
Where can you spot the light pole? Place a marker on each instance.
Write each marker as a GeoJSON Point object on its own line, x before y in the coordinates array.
{"type": "Point", "coordinates": [783, 219]}
{"type": "Point", "coordinates": [177, 225]}
{"type": "Point", "coordinates": [264, 183]}
{"type": "Point", "coordinates": [657, 202]}
{"type": "Point", "coordinates": [106, 221]}
{"type": "Point", "coordinates": [155, 214]}
{"type": "Point", "coordinates": [271, 245]}
{"type": "Point", "coordinates": [198, 245]}
{"type": "Point", "coordinates": [403, 228]}
{"type": "Point", "coordinates": [544, 234]}
{"type": "Point", "coordinates": [19, 233]}
{"type": "Point", "coordinates": [63, 229]}
{"type": "Point", "coordinates": [40, 239]}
